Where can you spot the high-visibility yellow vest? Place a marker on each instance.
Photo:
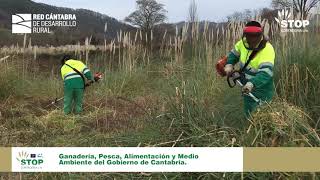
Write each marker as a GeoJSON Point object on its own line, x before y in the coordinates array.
{"type": "Point", "coordinates": [68, 73]}
{"type": "Point", "coordinates": [264, 58]}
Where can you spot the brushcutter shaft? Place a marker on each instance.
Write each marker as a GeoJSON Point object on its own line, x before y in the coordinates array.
{"type": "Point", "coordinates": [249, 94]}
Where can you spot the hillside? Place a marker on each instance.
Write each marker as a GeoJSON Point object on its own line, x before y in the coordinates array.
{"type": "Point", "coordinates": [88, 23]}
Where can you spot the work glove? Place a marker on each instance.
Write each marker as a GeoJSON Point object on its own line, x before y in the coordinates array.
{"type": "Point", "coordinates": [247, 88]}
{"type": "Point", "coordinates": [228, 68]}
{"type": "Point", "coordinates": [89, 82]}
{"type": "Point", "coordinates": [97, 76]}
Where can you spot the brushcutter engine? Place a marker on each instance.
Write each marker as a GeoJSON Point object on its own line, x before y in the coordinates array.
{"type": "Point", "coordinates": [236, 77]}
{"type": "Point", "coordinates": [220, 66]}
{"type": "Point", "coordinates": [97, 77]}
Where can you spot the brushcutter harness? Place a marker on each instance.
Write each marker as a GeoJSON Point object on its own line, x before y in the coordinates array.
{"type": "Point", "coordinates": [97, 76]}
{"type": "Point", "coordinates": [78, 72]}
{"type": "Point", "coordinates": [223, 61]}
{"type": "Point", "coordinates": [238, 76]}
{"type": "Point", "coordinates": [220, 66]}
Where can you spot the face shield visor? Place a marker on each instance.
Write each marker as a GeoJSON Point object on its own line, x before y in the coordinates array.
{"type": "Point", "coordinates": [252, 37]}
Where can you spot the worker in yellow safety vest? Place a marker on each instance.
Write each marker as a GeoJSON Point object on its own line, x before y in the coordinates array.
{"type": "Point", "coordinates": [256, 56]}
{"type": "Point", "coordinates": [74, 74]}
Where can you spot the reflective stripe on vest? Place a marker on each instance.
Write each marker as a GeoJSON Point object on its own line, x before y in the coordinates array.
{"type": "Point", "coordinates": [72, 76]}
{"type": "Point", "coordinates": [235, 52]}
{"type": "Point", "coordinates": [69, 74]}
{"type": "Point", "coordinates": [85, 70]}
{"type": "Point", "coordinates": [266, 70]}
{"type": "Point", "coordinates": [66, 70]}
{"type": "Point", "coordinates": [248, 76]}
{"type": "Point", "coordinates": [265, 56]}
{"type": "Point", "coordinates": [248, 68]}
{"type": "Point", "coordinates": [265, 64]}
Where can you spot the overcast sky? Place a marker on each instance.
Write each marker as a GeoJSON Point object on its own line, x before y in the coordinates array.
{"type": "Point", "coordinates": [212, 10]}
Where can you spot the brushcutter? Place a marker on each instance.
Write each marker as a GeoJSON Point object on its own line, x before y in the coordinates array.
{"type": "Point", "coordinates": [97, 77]}
{"type": "Point", "coordinates": [234, 78]}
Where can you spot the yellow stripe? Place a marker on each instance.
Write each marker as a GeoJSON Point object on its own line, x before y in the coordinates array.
{"type": "Point", "coordinates": [5, 159]}
{"type": "Point", "coordinates": [282, 159]}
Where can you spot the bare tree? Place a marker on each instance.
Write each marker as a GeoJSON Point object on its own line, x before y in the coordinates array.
{"type": "Point", "coordinates": [148, 14]}
{"type": "Point", "coordinates": [268, 14]}
{"type": "Point", "coordinates": [193, 12]}
{"type": "Point", "coordinates": [301, 7]}
{"type": "Point", "coordinates": [248, 14]}
{"type": "Point", "coordinates": [243, 16]}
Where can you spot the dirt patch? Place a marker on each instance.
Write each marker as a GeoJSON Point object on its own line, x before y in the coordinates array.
{"type": "Point", "coordinates": [15, 108]}
{"type": "Point", "coordinates": [104, 114]}
{"type": "Point", "coordinates": [121, 113]}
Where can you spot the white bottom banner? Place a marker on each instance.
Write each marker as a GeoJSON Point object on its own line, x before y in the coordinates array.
{"type": "Point", "coordinates": [127, 159]}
